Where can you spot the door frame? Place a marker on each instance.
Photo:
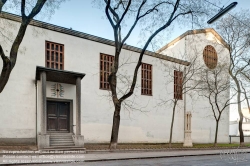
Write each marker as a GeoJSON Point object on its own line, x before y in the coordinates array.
{"type": "Point", "coordinates": [70, 113]}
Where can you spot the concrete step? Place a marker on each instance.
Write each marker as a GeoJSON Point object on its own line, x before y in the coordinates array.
{"type": "Point", "coordinates": [61, 136]}
{"type": "Point", "coordinates": [60, 133]}
{"type": "Point", "coordinates": [61, 139]}
{"type": "Point", "coordinates": [53, 142]}
{"type": "Point", "coordinates": [61, 142]}
{"type": "Point", "coordinates": [68, 147]}
{"type": "Point", "coordinates": [64, 144]}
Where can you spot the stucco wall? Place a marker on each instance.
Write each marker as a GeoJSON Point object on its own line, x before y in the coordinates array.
{"type": "Point", "coordinates": [144, 121]}
{"type": "Point", "coordinates": [203, 122]}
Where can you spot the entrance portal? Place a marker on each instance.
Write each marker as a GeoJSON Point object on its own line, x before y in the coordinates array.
{"type": "Point", "coordinates": [58, 116]}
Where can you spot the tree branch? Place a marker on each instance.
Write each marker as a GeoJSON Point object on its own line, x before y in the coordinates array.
{"type": "Point", "coordinates": [23, 9]}
{"type": "Point", "coordinates": [107, 12]}
{"type": "Point", "coordinates": [135, 22]}
{"type": "Point", "coordinates": [25, 22]}
{"type": "Point", "coordinates": [36, 9]}
{"type": "Point", "coordinates": [124, 13]}
{"type": "Point", "coordinates": [171, 18]}
{"type": "Point", "coordinates": [245, 94]}
{"type": "Point", "coordinates": [10, 63]}
{"type": "Point", "coordinates": [2, 53]}
{"type": "Point", "coordinates": [2, 2]}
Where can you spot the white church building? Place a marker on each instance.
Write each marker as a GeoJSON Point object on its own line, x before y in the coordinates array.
{"type": "Point", "coordinates": [58, 93]}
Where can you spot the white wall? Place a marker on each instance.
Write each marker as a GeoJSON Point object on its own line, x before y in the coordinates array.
{"type": "Point", "coordinates": [146, 122]}
{"type": "Point", "coordinates": [203, 122]}
{"type": "Point", "coordinates": [234, 129]}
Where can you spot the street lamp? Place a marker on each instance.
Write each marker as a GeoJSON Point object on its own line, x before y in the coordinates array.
{"type": "Point", "coordinates": [222, 12]}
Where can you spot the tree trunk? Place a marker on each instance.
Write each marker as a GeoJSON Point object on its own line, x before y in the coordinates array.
{"type": "Point", "coordinates": [240, 114]}
{"type": "Point", "coordinates": [115, 127]}
{"type": "Point", "coordinates": [239, 108]}
{"type": "Point", "coordinates": [172, 124]}
{"type": "Point", "coordinates": [5, 74]}
{"type": "Point", "coordinates": [216, 133]}
{"type": "Point", "coordinates": [241, 131]}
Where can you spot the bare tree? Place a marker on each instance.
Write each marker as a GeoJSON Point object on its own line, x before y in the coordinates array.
{"type": "Point", "coordinates": [160, 15]}
{"type": "Point", "coordinates": [28, 9]}
{"type": "Point", "coordinates": [235, 32]}
{"type": "Point", "coordinates": [215, 86]}
{"type": "Point", "coordinates": [184, 79]}
{"type": "Point", "coordinates": [2, 2]}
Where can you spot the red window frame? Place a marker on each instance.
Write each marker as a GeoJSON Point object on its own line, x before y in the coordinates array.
{"type": "Point", "coordinates": [146, 79]}
{"type": "Point", "coordinates": [106, 62]}
{"type": "Point", "coordinates": [54, 55]}
{"type": "Point", "coordinates": [178, 84]}
{"type": "Point", "coordinates": [210, 57]}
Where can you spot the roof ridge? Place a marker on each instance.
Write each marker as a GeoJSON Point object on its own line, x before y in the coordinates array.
{"type": "Point", "coordinates": [195, 31]}
{"type": "Point", "coordinates": [86, 36]}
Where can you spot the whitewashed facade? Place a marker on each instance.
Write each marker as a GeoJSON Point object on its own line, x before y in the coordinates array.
{"type": "Point", "coordinates": [21, 103]}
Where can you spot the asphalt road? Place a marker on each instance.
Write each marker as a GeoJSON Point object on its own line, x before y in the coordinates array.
{"type": "Point", "coordinates": [209, 160]}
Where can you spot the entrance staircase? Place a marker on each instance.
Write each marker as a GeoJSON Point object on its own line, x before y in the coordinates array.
{"type": "Point", "coordinates": [62, 142]}
{"type": "Point", "coordinates": [61, 139]}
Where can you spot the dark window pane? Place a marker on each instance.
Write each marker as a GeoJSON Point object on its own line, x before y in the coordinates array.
{"type": "Point", "coordinates": [52, 56]}
{"type": "Point", "coordinates": [48, 55]}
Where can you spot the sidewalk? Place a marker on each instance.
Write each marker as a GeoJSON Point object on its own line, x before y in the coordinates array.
{"type": "Point", "coordinates": [157, 154]}
{"type": "Point", "coordinates": [93, 148]}
{"type": "Point", "coordinates": [106, 156]}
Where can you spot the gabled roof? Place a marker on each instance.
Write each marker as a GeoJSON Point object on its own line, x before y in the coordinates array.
{"type": "Point", "coordinates": [86, 36]}
{"type": "Point", "coordinates": [192, 32]}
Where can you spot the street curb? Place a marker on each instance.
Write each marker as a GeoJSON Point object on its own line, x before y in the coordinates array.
{"type": "Point", "coordinates": [117, 159]}
{"type": "Point", "coordinates": [173, 156]}
{"type": "Point", "coordinates": [157, 150]}
{"type": "Point", "coordinates": [130, 158]}
{"type": "Point", "coordinates": [134, 158]}
{"type": "Point", "coordinates": [134, 150]}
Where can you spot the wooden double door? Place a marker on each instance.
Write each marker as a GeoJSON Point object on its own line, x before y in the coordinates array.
{"type": "Point", "coordinates": [58, 116]}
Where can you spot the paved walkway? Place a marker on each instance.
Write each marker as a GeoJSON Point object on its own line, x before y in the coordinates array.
{"type": "Point", "coordinates": [36, 157]}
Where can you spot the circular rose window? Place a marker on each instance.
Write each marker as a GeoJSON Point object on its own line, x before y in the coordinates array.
{"type": "Point", "coordinates": [210, 57]}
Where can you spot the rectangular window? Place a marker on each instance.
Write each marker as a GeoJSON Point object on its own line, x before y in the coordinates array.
{"type": "Point", "coordinates": [146, 79]}
{"type": "Point", "coordinates": [178, 75]}
{"type": "Point", "coordinates": [54, 53]}
{"type": "Point", "coordinates": [106, 62]}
